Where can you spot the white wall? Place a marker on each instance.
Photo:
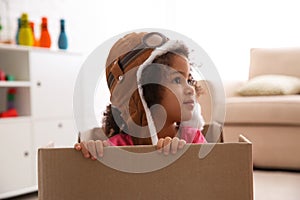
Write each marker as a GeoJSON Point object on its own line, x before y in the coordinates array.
{"type": "Point", "coordinates": [225, 29]}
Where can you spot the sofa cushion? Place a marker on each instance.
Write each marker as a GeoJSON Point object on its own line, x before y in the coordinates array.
{"type": "Point", "coordinates": [270, 85]}
{"type": "Point", "coordinates": [263, 110]}
{"type": "Point", "coordinates": [283, 61]}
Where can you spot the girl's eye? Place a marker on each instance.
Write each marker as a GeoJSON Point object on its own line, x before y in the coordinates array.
{"type": "Point", "coordinates": [177, 80]}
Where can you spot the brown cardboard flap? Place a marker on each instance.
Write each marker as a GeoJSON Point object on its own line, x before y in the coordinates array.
{"type": "Point", "coordinates": [243, 139]}
{"type": "Point", "coordinates": [225, 173]}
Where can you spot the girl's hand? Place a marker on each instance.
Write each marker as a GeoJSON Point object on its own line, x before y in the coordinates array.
{"type": "Point", "coordinates": [168, 144]}
{"type": "Point", "coordinates": [92, 149]}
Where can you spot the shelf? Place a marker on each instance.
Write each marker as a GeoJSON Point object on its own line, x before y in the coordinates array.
{"type": "Point", "coordinates": [15, 84]}
{"type": "Point", "coordinates": [15, 119]}
{"type": "Point", "coordinates": [14, 47]}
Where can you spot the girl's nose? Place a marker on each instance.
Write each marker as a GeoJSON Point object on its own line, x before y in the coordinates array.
{"type": "Point", "coordinates": [189, 89]}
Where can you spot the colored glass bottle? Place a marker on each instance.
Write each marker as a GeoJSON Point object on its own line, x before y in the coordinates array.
{"type": "Point", "coordinates": [25, 35]}
{"type": "Point", "coordinates": [45, 40]}
{"type": "Point", "coordinates": [18, 31]}
{"type": "Point", "coordinates": [62, 40]}
{"type": "Point", "coordinates": [11, 98]}
{"type": "Point", "coordinates": [35, 43]}
{"type": "Point", "coordinates": [0, 29]}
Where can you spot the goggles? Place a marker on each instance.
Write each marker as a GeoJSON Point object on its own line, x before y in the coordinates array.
{"type": "Point", "coordinates": [151, 40]}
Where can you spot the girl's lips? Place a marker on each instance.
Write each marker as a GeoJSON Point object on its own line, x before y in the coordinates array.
{"type": "Point", "coordinates": [189, 103]}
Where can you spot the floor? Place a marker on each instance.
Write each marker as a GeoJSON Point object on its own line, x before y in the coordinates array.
{"type": "Point", "coordinates": [276, 185]}
{"type": "Point", "coordinates": [268, 185]}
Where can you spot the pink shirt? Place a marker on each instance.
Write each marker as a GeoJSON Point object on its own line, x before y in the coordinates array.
{"type": "Point", "coordinates": [190, 135]}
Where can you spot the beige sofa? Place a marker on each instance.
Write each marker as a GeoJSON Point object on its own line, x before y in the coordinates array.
{"type": "Point", "coordinates": [272, 123]}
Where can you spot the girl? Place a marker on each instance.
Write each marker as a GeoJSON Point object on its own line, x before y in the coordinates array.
{"type": "Point", "coordinates": [152, 92]}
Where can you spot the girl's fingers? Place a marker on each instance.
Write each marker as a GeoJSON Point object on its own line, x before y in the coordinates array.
{"type": "Point", "coordinates": [92, 148]}
{"type": "Point", "coordinates": [166, 145]}
{"type": "Point", "coordinates": [84, 149]}
{"type": "Point", "coordinates": [77, 147]}
{"type": "Point", "coordinates": [105, 143]}
{"type": "Point", "coordinates": [99, 147]}
{"type": "Point", "coordinates": [174, 145]}
{"type": "Point", "coordinates": [181, 144]}
{"type": "Point", "coordinates": [160, 144]}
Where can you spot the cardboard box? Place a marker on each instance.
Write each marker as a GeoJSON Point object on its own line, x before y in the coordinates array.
{"type": "Point", "coordinates": [224, 173]}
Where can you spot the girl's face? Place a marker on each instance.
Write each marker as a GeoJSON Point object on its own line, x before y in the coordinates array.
{"type": "Point", "coordinates": [178, 98]}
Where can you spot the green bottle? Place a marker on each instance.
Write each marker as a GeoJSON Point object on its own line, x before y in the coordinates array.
{"type": "Point", "coordinates": [0, 28]}
{"type": "Point", "coordinates": [25, 35]}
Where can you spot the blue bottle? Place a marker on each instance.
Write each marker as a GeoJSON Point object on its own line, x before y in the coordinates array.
{"type": "Point", "coordinates": [18, 31]}
{"type": "Point", "coordinates": [62, 40]}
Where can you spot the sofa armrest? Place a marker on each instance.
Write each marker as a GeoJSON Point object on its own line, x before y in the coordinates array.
{"type": "Point", "coordinates": [231, 87]}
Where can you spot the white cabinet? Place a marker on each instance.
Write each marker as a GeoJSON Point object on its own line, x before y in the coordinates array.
{"type": "Point", "coordinates": [63, 133]}
{"type": "Point", "coordinates": [61, 84]}
{"type": "Point", "coordinates": [44, 82]}
{"type": "Point", "coordinates": [16, 169]}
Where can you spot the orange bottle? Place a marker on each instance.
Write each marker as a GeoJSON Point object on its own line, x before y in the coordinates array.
{"type": "Point", "coordinates": [45, 39]}
{"type": "Point", "coordinates": [35, 42]}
